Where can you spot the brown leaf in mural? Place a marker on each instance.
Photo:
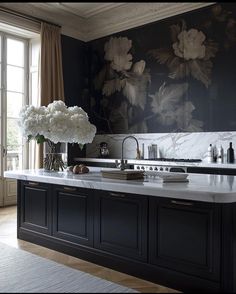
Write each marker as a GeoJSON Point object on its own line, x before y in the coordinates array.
{"type": "Point", "coordinates": [119, 118]}
{"type": "Point", "coordinates": [165, 100]}
{"type": "Point", "coordinates": [211, 49]}
{"type": "Point", "coordinates": [99, 79]}
{"type": "Point", "coordinates": [201, 70]}
{"type": "Point", "coordinates": [111, 86]}
{"type": "Point", "coordinates": [106, 73]}
{"type": "Point", "coordinates": [162, 55]}
{"type": "Point", "coordinates": [179, 71]}
{"type": "Point", "coordinates": [135, 88]}
{"type": "Point", "coordinates": [174, 32]}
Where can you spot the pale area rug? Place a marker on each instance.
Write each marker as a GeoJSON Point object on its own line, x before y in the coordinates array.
{"type": "Point", "coordinates": [24, 272]}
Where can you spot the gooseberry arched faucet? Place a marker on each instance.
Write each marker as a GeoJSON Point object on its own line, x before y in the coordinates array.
{"type": "Point", "coordinates": [122, 163]}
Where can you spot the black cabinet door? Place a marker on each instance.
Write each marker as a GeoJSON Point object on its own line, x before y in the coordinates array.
{"type": "Point", "coordinates": [121, 224]}
{"type": "Point", "coordinates": [35, 203]}
{"type": "Point", "coordinates": [185, 236]}
{"type": "Point", "coordinates": [73, 215]}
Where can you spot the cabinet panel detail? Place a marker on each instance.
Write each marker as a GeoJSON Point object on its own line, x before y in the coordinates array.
{"type": "Point", "coordinates": [36, 206]}
{"type": "Point", "coordinates": [73, 215]}
{"type": "Point", "coordinates": [185, 238]}
{"type": "Point", "coordinates": [120, 224]}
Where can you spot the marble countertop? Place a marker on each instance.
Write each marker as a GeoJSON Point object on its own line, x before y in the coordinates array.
{"type": "Point", "coordinates": [201, 187]}
{"type": "Point", "coordinates": [156, 162]}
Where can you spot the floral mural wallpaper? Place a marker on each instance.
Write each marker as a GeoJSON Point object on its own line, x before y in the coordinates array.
{"type": "Point", "coordinates": [174, 75]}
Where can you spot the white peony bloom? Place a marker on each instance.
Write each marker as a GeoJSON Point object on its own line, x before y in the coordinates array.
{"type": "Point", "coordinates": [57, 123]}
{"type": "Point", "coordinates": [190, 45]}
{"type": "Point", "coordinates": [116, 51]}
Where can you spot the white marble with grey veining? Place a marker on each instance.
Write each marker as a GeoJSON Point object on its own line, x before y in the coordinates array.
{"type": "Point", "coordinates": [201, 187]}
{"type": "Point", "coordinates": [141, 162]}
{"type": "Point", "coordinates": [171, 145]}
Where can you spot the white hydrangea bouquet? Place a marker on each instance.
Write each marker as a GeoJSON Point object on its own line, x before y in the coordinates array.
{"type": "Point", "coordinates": [56, 123]}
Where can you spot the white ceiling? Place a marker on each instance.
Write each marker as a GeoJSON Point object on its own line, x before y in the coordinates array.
{"type": "Point", "coordinates": [89, 21]}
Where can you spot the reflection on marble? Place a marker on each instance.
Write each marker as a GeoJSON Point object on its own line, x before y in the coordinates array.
{"type": "Point", "coordinates": [201, 187]}
{"type": "Point", "coordinates": [171, 145]}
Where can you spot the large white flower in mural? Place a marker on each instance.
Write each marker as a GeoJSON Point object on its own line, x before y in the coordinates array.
{"type": "Point", "coordinates": [116, 51]}
{"type": "Point", "coordinates": [190, 54]}
{"type": "Point", "coordinates": [190, 45]}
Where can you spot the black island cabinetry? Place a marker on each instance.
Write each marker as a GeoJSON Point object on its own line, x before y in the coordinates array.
{"type": "Point", "coordinates": [182, 244]}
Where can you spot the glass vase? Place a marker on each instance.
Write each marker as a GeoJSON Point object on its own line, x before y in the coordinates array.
{"type": "Point", "coordinates": [55, 156]}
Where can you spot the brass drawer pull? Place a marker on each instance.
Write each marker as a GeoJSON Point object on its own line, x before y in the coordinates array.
{"type": "Point", "coordinates": [69, 189]}
{"type": "Point", "coordinates": [33, 184]}
{"type": "Point", "coordinates": [182, 203]}
{"type": "Point", "coordinates": [117, 195]}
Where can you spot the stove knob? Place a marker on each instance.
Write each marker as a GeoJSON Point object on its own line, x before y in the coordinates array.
{"type": "Point", "coordinates": [142, 167]}
{"type": "Point", "coordinates": [161, 169]}
{"type": "Point", "coordinates": [167, 169]}
{"type": "Point", "coordinates": [155, 168]}
{"type": "Point", "coordinates": [150, 168]}
{"type": "Point", "coordinates": [138, 167]}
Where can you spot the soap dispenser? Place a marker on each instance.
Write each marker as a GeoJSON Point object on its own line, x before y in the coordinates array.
{"type": "Point", "coordinates": [210, 153]}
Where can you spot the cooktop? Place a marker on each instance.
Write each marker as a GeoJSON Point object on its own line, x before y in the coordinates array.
{"type": "Point", "coordinates": [177, 159]}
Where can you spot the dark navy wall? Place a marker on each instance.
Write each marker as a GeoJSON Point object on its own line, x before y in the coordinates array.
{"type": "Point", "coordinates": [75, 68]}
{"type": "Point", "coordinates": [74, 53]}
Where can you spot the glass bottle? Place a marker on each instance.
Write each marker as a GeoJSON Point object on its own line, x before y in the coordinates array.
{"type": "Point", "coordinates": [230, 154]}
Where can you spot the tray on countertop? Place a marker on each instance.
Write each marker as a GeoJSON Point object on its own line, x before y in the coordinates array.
{"type": "Point", "coordinates": [123, 174]}
{"type": "Point", "coordinates": [168, 177]}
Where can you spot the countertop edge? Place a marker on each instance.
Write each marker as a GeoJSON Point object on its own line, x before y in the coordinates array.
{"type": "Point", "coordinates": [133, 187]}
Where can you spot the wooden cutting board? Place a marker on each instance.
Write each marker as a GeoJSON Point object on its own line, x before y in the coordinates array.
{"type": "Point", "coordinates": [123, 174]}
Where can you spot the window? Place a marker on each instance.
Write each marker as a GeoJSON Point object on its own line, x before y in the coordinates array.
{"type": "Point", "coordinates": [19, 56]}
{"type": "Point", "coordinates": [14, 94]}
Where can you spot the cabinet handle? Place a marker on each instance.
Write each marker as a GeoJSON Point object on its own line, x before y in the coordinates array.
{"type": "Point", "coordinates": [182, 203]}
{"type": "Point", "coordinates": [69, 189]}
{"type": "Point", "coordinates": [33, 184]}
{"type": "Point", "coordinates": [117, 195]}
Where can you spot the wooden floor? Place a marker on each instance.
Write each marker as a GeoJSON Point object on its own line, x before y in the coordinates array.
{"type": "Point", "coordinates": [8, 236]}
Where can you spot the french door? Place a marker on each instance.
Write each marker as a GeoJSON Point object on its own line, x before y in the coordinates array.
{"type": "Point", "coordinates": [13, 94]}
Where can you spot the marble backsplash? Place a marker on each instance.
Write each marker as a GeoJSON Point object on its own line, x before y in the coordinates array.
{"type": "Point", "coordinates": [171, 145]}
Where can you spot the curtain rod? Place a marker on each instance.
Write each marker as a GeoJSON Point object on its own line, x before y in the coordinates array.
{"type": "Point", "coordinates": [32, 18]}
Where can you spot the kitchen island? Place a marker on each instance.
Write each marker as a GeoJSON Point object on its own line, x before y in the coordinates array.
{"type": "Point", "coordinates": [182, 235]}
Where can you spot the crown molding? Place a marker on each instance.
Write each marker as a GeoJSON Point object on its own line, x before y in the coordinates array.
{"type": "Point", "coordinates": [106, 20]}
{"type": "Point", "coordinates": [126, 17]}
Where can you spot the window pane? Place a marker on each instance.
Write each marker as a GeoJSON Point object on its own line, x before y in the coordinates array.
{"type": "Point", "coordinates": [14, 146]}
{"type": "Point", "coordinates": [15, 52]}
{"type": "Point", "coordinates": [15, 78]}
{"type": "Point", "coordinates": [35, 48]}
{"type": "Point", "coordinates": [14, 138]}
{"type": "Point", "coordinates": [14, 104]}
{"type": "Point", "coordinates": [34, 88]}
{"type": "Point", "coordinates": [14, 159]}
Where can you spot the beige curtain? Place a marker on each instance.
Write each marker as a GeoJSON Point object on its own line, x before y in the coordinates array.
{"type": "Point", "coordinates": [51, 74]}
{"type": "Point", "coordinates": [52, 86]}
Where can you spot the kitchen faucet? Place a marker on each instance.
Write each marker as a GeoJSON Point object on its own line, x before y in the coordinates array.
{"type": "Point", "coordinates": [122, 162]}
